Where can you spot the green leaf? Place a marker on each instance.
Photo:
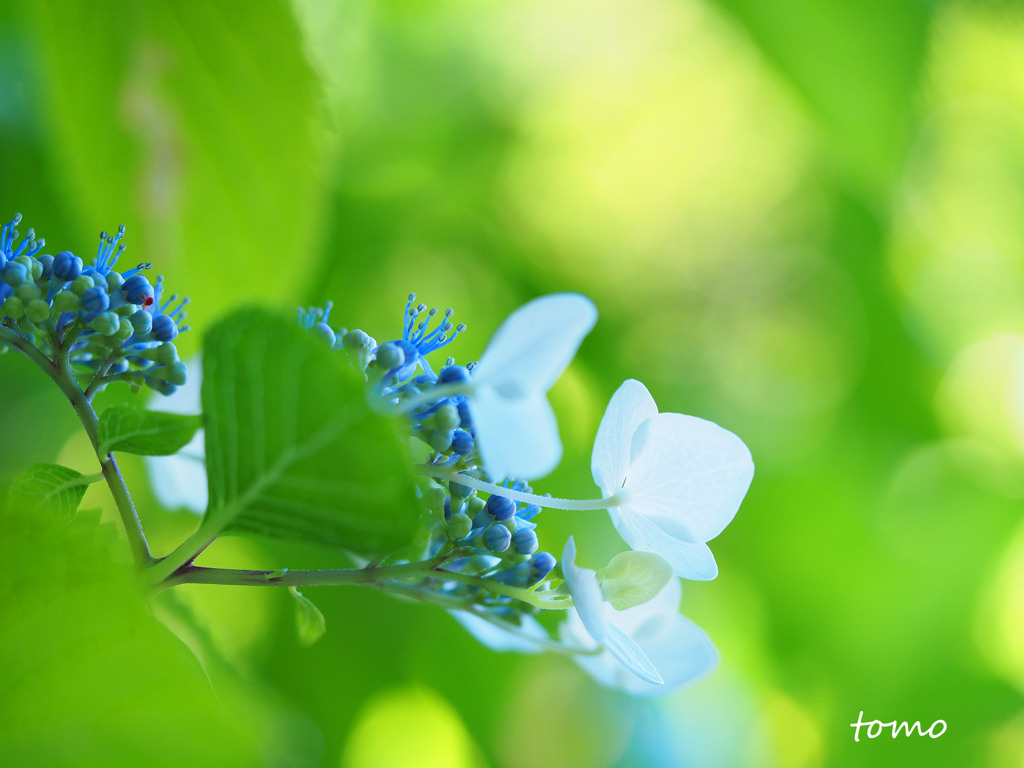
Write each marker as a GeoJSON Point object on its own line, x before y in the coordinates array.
{"type": "Point", "coordinates": [50, 487]}
{"type": "Point", "coordinates": [204, 135]}
{"type": "Point", "coordinates": [149, 433]}
{"type": "Point", "coordinates": [293, 448]}
{"type": "Point", "coordinates": [633, 578]}
{"type": "Point", "coordinates": [309, 621]}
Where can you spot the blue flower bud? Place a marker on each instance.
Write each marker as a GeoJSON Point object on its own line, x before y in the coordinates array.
{"type": "Point", "coordinates": [164, 328]}
{"type": "Point", "coordinates": [138, 290]}
{"type": "Point", "coordinates": [497, 538]}
{"type": "Point", "coordinates": [500, 508]}
{"type": "Point", "coordinates": [46, 261]}
{"type": "Point", "coordinates": [15, 273]}
{"type": "Point", "coordinates": [525, 541]}
{"type": "Point", "coordinates": [543, 563]}
{"type": "Point", "coordinates": [95, 299]}
{"type": "Point", "coordinates": [454, 374]}
{"type": "Point", "coordinates": [66, 265]}
{"type": "Point", "coordinates": [462, 442]}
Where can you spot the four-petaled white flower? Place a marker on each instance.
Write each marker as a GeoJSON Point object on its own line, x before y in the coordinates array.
{"type": "Point", "coordinates": [659, 638]}
{"type": "Point", "coordinates": [678, 480]}
{"type": "Point", "coordinates": [517, 434]}
{"type": "Point", "coordinates": [179, 481]}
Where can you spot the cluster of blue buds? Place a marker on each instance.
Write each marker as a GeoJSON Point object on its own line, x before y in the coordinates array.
{"type": "Point", "coordinates": [493, 536]}
{"type": "Point", "coordinates": [113, 324]}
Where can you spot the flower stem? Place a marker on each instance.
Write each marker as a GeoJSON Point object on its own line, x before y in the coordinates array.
{"type": "Point", "coordinates": [390, 578]}
{"type": "Point", "coordinates": [62, 375]}
{"type": "Point", "coordinates": [549, 502]}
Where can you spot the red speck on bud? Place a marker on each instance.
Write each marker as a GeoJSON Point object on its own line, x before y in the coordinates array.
{"type": "Point", "coordinates": [148, 302]}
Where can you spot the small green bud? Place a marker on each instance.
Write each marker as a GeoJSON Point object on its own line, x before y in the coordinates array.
{"type": "Point", "coordinates": [125, 330]}
{"type": "Point", "coordinates": [475, 505]}
{"type": "Point", "coordinates": [14, 308]}
{"type": "Point", "coordinates": [35, 268]}
{"type": "Point", "coordinates": [177, 374]}
{"type": "Point", "coordinates": [510, 523]}
{"type": "Point", "coordinates": [114, 281]}
{"type": "Point", "coordinates": [66, 301]}
{"type": "Point", "coordinates": [447, 417]}
{"type": "Point", "coordinates": [106, 323]}
{"type": "Point", "coordinates": [28, 291]}
{"type": "Point", "coordinates": [26, 262]}
{"type": "Point", "coordinates": [37, 311]}
{"type": "Point", "coordinates": [81, 284]}
{"type": "Point", "coordinates": [142, 322]}
{"type": "Point", "coordinates": [440, 439]}
{"type": "Point", "coordinates": [459, 526]}
{"type": "Point", "coordinates": [166, 353]}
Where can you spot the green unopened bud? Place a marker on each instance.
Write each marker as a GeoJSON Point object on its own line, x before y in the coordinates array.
{"type": "Point", "coordinates": [36, 269]}
{"type": "Point", "coordinates": [440, 439]}
{"type": "Point", "coordinates": [510, 523]}
{"type": "Point", "coordinates": [142, 322]}
{"type": "Point", "coordinates": [475, 505]}
{"type": "Point", "coordinates": [459, 526]}
{"type": "Point", "coordinates": [28, 291]}
{"type": "Point", "coordinates": [166, 353]}
{"type": "Point", "coordinates": [358, 345]}
{"type": "Point", "coordinates": [106, 323]}
{"type": "Point", "coordinates": [37, 311]}
{"type": "Point", "coordinates": [177, 374]}
{"type": "Point", "coordinates": [446, 417]}
{"type": "Point", "coordinates": [325, 332]}
{"type": "Point", "coordinates": [114, 281]}
{"type": "Point", "coordinates": [125, 330]}
{"type": "Point", "coordinates": [14, 308]}
{"type": "Point", "coordinates": [81, 284]}
{"type": "Point", "coordinates": [26, 262]}
{"type": "Point", "coordinates": [66, 301]}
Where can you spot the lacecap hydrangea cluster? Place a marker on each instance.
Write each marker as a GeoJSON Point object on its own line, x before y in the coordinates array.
{"type": "Point", "coordinates": [113, 325]}
{"type": "Point", "coordinates": [485, 430]}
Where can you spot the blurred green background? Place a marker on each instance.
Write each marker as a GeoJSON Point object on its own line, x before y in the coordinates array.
{"type": "Point", "coordinates": [803, 219]}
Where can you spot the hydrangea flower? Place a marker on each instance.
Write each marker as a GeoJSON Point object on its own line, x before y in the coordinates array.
{"type": "Point", "coordinates": [677, 648]}
{"type": "Point", "coordinates": [508, 405]}
{"type": "Point", "coordinates": [678, 480]}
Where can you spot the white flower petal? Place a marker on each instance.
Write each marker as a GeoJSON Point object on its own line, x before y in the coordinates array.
{"type": "Point", "coordinates": [688, 560]}
{"type": "Point", "coordinates": [680, 650]}
{"type": "Point", "coordinates": [586, 592]}
{"type": "Point", "coordinates": [179, 481]}
{"type": "Point", "coordinates": [516, 438]}
{"type": "Point", "coordinates": [688, 475]}
{"type": "Point", "coordinates": [535, 344]}
{"type": "Point", "coordinates": [630, 406]}
{"type": "Point", "coordinates": [632, 657]}
{"type": "Point", "coordinates": [516, 639]}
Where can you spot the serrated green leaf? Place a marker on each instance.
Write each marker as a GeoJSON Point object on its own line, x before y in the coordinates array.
{"type": "Point", "coordinates": [293, 448]}
{"type": "Point", "coordinates": [309, 621]}
{"type": "Point", "coordinates": [149, 433]}
{"type": "Point", "coordinates": [49, 487]}
{"type": "Point", "coordinates": [633, 578]}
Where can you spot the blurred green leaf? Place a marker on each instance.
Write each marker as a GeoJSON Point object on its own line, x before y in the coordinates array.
{"type": "Point", "coordinates": [148, 433]}
{"type": "Point", "coordinates": [197, 126]}
{"type": "Point", "coordinates": [90, 678]}
{"type": "Point", "coordinates": [50, 488]}
{"type": "Point", "coordinates": [293, 448]}
{"type": "Point", "coordinates": [857, 64]}
{"type": "Point", "coordinates": [309, 621]}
